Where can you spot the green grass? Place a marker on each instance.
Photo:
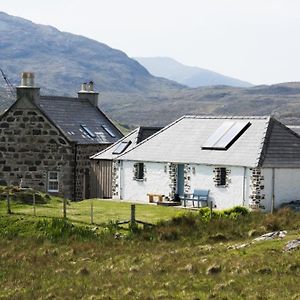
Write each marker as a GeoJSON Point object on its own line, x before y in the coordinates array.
{"type": "Point", "coordinates": [104, 210]}
{"type": "Point", "coordinates": [44, 258]}
{"type": "Point", "coordinates": [132, 269]}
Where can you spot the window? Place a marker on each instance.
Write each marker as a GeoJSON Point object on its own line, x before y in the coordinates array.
{"type": "Point", "coordinates": [139, 171]}
{"type": "Point", "coordinates": [220, 176]}
{"type": "Point", "coordinates": [88, 131]}
{"type": "Point", "coordinates": [108, 131]}
{"type": "Point", "coordinates": [53, 185]}
{"type": "Point", "coordinates": [225, 135]}
{"type": "Point", "coordinates": [121, 147]}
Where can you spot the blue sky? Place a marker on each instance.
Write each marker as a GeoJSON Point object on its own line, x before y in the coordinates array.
{"type": "Point", "coordinates": [256, 41]}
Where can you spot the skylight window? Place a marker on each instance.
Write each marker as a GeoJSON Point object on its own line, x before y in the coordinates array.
{"type": "Point", "coordinates": [88, 131]}
{"type": "Point", "coordinates": [225, 135]}
{"type": "Point", "coordinates": [121, 147]}
{"type": "Point", "coordinates": [108, 131]}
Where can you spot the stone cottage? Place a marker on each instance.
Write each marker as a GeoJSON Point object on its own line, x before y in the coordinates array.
{"type": "Point", "coordinates": [46, 141]}
{"type": "Point", "coordinates": [248, 161]}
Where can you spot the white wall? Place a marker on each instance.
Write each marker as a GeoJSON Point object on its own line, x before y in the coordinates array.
{"type": "Point", "coordinates": [286, 186]}
{"type": "Point", "coordinates": [158, 182]}
{"type": "Point", "coordinates": [222, 197]}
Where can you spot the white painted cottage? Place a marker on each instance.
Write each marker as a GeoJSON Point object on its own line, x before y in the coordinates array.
{"type": "Point", "coordinates": [249, 161]}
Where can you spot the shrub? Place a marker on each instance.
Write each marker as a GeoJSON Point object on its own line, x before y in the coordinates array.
{"type": "Point", "coordinates": [232, 213]}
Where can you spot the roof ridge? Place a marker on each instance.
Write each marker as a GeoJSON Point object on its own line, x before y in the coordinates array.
{"type": "Point", "coordinates": [59, 97]}
{"type": "Point", "coordinates": [264, 142]}
{"type": "Point", "coordinates": [226, 117]}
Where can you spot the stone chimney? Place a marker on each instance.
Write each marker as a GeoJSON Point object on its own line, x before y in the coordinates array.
{"type": "Point", "coordinates": [87, 92]}
{"type": "Point", "coordinates": [27, 88]}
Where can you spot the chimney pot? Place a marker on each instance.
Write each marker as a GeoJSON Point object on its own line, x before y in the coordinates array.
{"type": "Point", "coordinates": [87, 92]}
{"type": "Point", "coordinates": [27, 79]}
{"type": "Point", "coordinates": [83, 87]}
{"type": "Point", "coordinates": [91, 86]}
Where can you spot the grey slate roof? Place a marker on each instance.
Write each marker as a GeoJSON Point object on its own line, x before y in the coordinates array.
{"type": "Point", "coordinates": [69, 113]}
{"type": "Point", "coordinates": [282, 147]}
{"type": "Point", "coordinates": [266, 143]}
{"type": "Point", "coordinates": [136, 136]}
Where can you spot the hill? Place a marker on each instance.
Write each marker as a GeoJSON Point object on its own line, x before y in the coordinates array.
{"type": "Point", "coordinates": [62, 61]}
{"type": "Point", "coordinates": [129, 94]}
{"type": "Point", "coordinates": [191, 76]}
{"type": "Point", "coordinates": [281, 100]}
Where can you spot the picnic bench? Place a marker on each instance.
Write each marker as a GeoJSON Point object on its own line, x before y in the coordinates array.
{"type": "Point", "coordinates": [198, 196]}
{"type": "Point", "coordinates": [159, 197]}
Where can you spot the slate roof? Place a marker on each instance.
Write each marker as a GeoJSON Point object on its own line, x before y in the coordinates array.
{"type": "Point", "coordinates": [70, 113]}
{"type": "Point", "coordinates": [266, 142]}
{"type": "Point", "coordinates": [136, 136]}
{"type": "Point", "coordinates": [282, 147]}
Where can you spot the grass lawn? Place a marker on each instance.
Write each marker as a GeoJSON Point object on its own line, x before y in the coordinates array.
{"type": "Point", "coordinates": [104, 211]}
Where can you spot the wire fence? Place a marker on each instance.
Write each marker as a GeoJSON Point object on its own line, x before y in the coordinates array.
{"type": "Point", "coordinates": [29, 203]}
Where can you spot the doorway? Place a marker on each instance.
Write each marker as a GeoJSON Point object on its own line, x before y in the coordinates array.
{"type": "Point", "coordinates": [180, 179]}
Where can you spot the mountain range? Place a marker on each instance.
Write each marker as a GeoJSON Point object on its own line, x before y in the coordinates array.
{"type": "Point", "coordinates": [128, 92]}
{"type": "Point", "coordinates": [190, 76]}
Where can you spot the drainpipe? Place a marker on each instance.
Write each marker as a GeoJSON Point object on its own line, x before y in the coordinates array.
{"type": "Point", "coordinates": [273, 190]}
{"type": "Point", "coordinates": [244, 186]}
{"type": "Point", "coordinates": [75, 172]}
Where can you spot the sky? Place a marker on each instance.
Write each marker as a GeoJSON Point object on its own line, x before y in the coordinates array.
{"type": "Point", "coordinates": [256, 40]}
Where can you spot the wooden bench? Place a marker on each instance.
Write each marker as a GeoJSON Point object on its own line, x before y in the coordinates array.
{"type": "Point", "coordinates": [158, 196]}
{"type": "Point", "coordinates": [199, 196]}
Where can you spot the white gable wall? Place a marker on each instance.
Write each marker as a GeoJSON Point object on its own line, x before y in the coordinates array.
{"type": "Point", "coordinates": [286, 186]}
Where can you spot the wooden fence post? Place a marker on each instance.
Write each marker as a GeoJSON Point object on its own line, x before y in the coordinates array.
{"type": "Point", "coordinates": [92, 212]}
{"type": "Point", "coordinates": [211, 210]}
{"type": "Point", "coordinates": [33, 202]}
{"type": "Point", "coordinates": [8, 201]}
{"type": "Point", "coordinates": [65, 208]}
{"type": "Point", "coordinates": [132, 216]}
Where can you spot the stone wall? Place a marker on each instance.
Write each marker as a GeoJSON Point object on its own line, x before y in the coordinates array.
{"type": "Point", "coordinates": [30, 147]}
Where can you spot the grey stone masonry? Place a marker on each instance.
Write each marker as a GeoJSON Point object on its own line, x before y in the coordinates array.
{"type": "Point", "coordinates": [31, 146]}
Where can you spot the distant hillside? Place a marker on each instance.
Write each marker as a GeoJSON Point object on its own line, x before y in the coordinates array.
{"type": "Point", "coordinates": [191, 76]}
{"type": "Point", "coordinates": [129, 94]}
{"type": "Point", "coordinates": [62, 61]}
{"type": "Point", "coordinates": [280, 100]}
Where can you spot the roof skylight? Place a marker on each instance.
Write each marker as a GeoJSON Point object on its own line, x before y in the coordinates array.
{"type": "Point", "coordinates": [88, 131]}
{"type": "Point", "coordinates": [226, 135]}
{"type": "Point", "coordinates": [108, 131]}
{"type": "Point", "coordinates": [121, 147]}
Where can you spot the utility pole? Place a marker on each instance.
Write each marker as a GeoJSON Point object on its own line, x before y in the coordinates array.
{"type": "Point", "coordinates": [10, 87]}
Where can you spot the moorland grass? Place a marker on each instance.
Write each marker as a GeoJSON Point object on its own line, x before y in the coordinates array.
{"type": "Point", "coordinates": [185, 256]}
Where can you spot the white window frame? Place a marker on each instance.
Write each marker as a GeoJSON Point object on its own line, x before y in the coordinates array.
{"type": "Point", "coordinates": [53, 180]}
